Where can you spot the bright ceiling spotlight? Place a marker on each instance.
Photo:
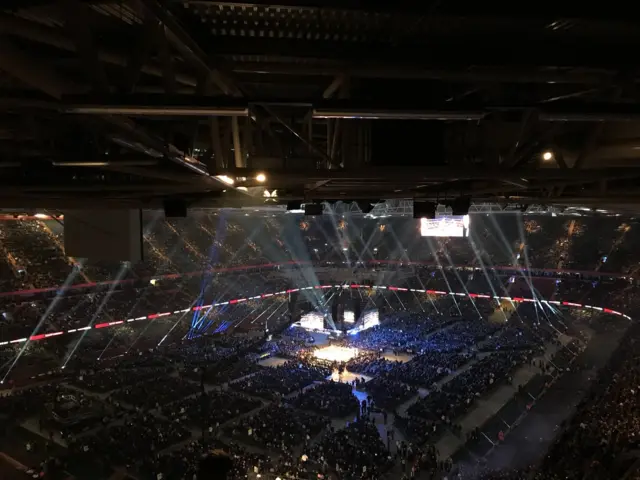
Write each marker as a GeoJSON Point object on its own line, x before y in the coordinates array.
{"type": "Point", "coordinates": [546, 156]}
{"type": "Point", "coordinates": [226, 179]}
{"type": "Point", "coordinates": [268, 194]}
{"type": "Point", "coordinates": [261, 177]}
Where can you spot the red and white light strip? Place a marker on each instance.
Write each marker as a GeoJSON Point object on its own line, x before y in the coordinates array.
{"type": "Point", "coordinates": [153, 316]}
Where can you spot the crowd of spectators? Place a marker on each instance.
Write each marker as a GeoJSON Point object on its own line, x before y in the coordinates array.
{"type": "Point", "coordinates": [402, 331]}
{"type": "Point", "coordinates": [153, 394]}
{"type": "Point", "coordinates": [282, 380]}
{"type": "Point", "coordinates": [457, 396]}
{"type": "Point", "coordinates": [182, 246]}
{"type": "Point", "coordinates": [286, 347]}
{"type": "Point", "coordinates": [605, 427]}
{"type": "Point", "coordinates": [33, 255]}
{"type": "Point", "coordinates": [222, 371]}
{"type": "Point", "coordinates": [353, 453]}
{"type": "Point", "coordinates": [29, 401]}
{"type": "Point", "coordinates": [164, 411]}
{"type": "Point", "coordinates": [184, 463]}
{"type": "Point", "coordinates": [427, 368]}
{"type": "Point", "coordinates": [442, 334]}
{"type": "Point", "coordinates": [109, 379]}
{"type": "Point", "coordinates": [278, 428]}
{"type": "Point", "coordinates": [389, 392]}
{"type": "Point", "coordinates": [370, 363]}
{"type": "Point", "coordinates": [332, 399]}
{"type": "Point", "coordinates": [526, 337]}
{"type": "Point", "coordinates": [461, 335]}
{"type": "Point", "coordinates": [211, 409]}
{"type": "Point", "coordinates": [140, 437]}
{"type": "Point", "coordinates": [73, 413]}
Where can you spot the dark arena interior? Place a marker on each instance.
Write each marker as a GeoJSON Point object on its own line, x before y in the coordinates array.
{"type": "Point", "coordinates": [319, 239]}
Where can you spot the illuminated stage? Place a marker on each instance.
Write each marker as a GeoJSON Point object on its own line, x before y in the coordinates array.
{"type": "Point", "coordinates": [336, 354]}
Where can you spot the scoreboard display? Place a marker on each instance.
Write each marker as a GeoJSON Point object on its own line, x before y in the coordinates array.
{"type": "Point", "coordinates": [445, 226]}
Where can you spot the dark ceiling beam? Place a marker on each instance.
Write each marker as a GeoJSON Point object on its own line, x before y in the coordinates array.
{"type": "Point", "coordinates": [22, 103]}
{"type": "Point", "coordinates": [481, 50]}
{"type": "Point", "coordinates": [193, 182]}
{"type": "Point", "coordinates": [623, 142]}
{"type": "Point", "coordinates": [619, 162]}
{"type": "Point", "coordinates": [592, 200]}
{"type": "Point", "coordinates": [104, 188]}
{"type": "Point", "coordinates": [188, 47]}
{"type": "Point", "coordinates": [35, 32]}
{"type": "Point", "coordinates": [545, 10]}
{"type": "Point", "coordinates": [329, 162]}
{"type": "Point", "coordinates": [390, 108]}
{"type": "Point", "coordinates": [78, 24]}
{"type": "Point", "coordinates": [35, 74]}
{"type": "Point", "coordinates": [474, 188]}
{"type": "Point", "coordinates": [505, 196]}
{"type": "Point", "coordinates": [432, 174]}
{"type": "Point", "coordinates": [155, 105]}
{"type": "Point", "coordinates": [594, 135]}
{"type": "Point", "coordinates": [147, 201]}
{"type": "Point", "coordinates": [149, 140]}
{"type": "Point", "coordinates": [157, 174]}
{"type": "Point", "coordinates": [150, 195]}
{"type": "Point", "coordinates": [553, 112]}
{"type": "Point", "coordinates": [334, 86]}
{"type": "Point", "coordinates": [412, 72]}
{"type": "Point", "coordinates": [148, 38]}
{"type": "Point", "coordinates": [528, 120]}
{"type": "Point", "coordinates": [591, 143]}
{"type": "Point", "coordinates": [13, 5]}
{"type": "Point", "coordinates": [393, 69]}
{"type": "Point", "coordinates": [559, 158]}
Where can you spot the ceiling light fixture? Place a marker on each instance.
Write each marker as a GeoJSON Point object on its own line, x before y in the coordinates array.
{"type": "Point", "coordinates": [226, 179]}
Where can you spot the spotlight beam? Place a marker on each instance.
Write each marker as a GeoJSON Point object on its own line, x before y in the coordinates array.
{"type": "Point", "coordinates": [121, 274]}
{"type": "Point", "coordinates": [52, 306]}
{"type": "Point", "coordinates": [464, 286]}
{"type": "Point", "coordinates": [444, 274]}
{"type": "Point", "coordinates": [484, 270]}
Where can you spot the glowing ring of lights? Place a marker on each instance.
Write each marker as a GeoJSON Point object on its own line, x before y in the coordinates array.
{"type": "Point", "coordinates": [153, 316]}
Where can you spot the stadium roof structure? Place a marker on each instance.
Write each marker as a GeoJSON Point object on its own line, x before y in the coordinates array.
{"type": "Point", "coordinates": [132, 102]}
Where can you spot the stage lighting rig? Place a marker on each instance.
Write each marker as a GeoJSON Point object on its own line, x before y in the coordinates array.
{"type": "Point", "coordinates": [313, 208]}
{"type": "Point", "coordinates": [460, 206]}
{"type": "Point", "coordinates": [366, 206]}
{"type": "Point", "coordinates": [424, 209]}
{"type": "Point", "coordinates": [294, 205]}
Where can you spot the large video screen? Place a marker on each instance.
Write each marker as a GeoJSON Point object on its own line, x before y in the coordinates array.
{"type": "Point", "coordinates": [445, 226]}
{"type": "Point", "coordinates": [312, 321]}
{"type": "Point", "coordinates": [370, 318]}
